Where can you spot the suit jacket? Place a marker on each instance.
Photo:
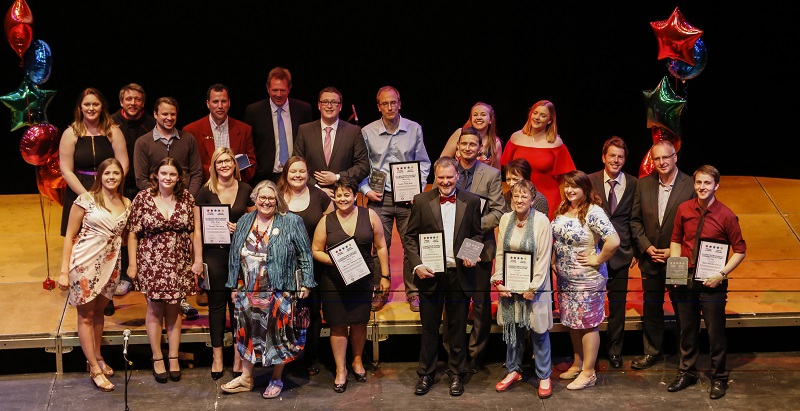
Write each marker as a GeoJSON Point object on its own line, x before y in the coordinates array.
{"type": "Point", "coordinates": [241, 142]}
{"type": "Point", "coordinates": [349, 156]}
{"type": "Point", "coordinates": [487, 183]}
{"type": "Point", "coordinates": [258, 115]}
{"type": "Point", "coordinates": [646, 230]}
{"type": "Point", "coordinates": [426, 216]}
{"type": "Point", "coordinates": [620, 218]}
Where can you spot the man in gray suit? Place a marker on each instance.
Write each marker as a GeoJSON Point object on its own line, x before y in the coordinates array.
{"type": "Point", "coordinates": [617, 189]}
{"type": "Point", "coordinates": [485, 181]}
{"type": "Point", "coordinates": [654, 206]}
{"type": "Point", "coordinates": [331, 147]}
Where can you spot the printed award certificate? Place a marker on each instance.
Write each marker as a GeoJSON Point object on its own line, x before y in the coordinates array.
{"type": "Point", "coordinates": [215, 224]}
{"type": "Point", "coordinates": [405, 181]}
{"type": "Point", "coordinates": [517, 271]}
{"type": "Point", "coordinates": [431, 251]}
{"type": "Point", "coordinates": [348, 260]}
{"type": "Point", "coordinates": [711, 259]}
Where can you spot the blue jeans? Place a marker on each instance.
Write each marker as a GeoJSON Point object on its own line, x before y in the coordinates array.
{"type": "Point", "coordinates": [541, 353]}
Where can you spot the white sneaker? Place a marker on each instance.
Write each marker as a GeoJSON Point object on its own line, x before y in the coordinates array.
{"type": "Point", "coordinates": [124, 287]}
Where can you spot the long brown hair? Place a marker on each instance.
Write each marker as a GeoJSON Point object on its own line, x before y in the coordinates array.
{"type": "Point", "coordinates": [105, 119]}
{"type": "Point", "coordinates": [179, 185]}
{"type": "Point", "coordinates": [551, 130]}
{"type": "Point", "coordinates": [283, 181]}
{"type": "Point", "coordinates": [491, 131]}
{"type": "Point", "coordinates": [579, 179]}
{"type": "Point", "coordinates": [97, 187]}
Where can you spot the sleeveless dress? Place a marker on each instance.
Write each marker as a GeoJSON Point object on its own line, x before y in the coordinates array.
{"type": "Point", "coordinates": [547, 164]}
{"type": "Point", "coordinates": [347, 304]}
{"type": "Point", "coordinates": [581, 289]}
{"type": "Point", "coordinates": [94, 264]}
{"type": "Point", "coordinates": [90, 151]}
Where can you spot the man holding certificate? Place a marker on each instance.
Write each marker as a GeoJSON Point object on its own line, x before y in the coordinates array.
{"type": "Point", "coordinates": [441, 221]}
{"type": "Point", "coordinates": [704, 231]}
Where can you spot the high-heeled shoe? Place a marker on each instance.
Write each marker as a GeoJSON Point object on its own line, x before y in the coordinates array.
{"type": "Point", "coordinates": [215, 375]}
{"type": "Point", "coordinates": [174, 375]}
{"type": "Point", "coordinates": [106, 385]}
{"type": "Point", "coordinates": [340, 388]}
{"type": "Point", "coordinates": [161, 377]}
{"type": "Point", "coordinates": [360, 377]}
{"type": "Point", "coordinates": [583, 382]}
{"type": "Point", "coordinates": [104, 368]}
{"type": "Point", "coordinates": [570, 374]}
{"type": "Point", "coordinates": [236, 374]}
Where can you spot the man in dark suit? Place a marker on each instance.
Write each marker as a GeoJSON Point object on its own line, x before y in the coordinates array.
{"type": "Point", "coordinates": [457, 213]}
{"type": "Point", "coordinates": [485, 181]}
{"type": "Point", "coordinates": [264, 116]}
{"type": "Point", "coordinates": [617, 189]}
{"type": "Point", "coordinates": [655, 203]}
{"type": "Point", "coordinates": [220, 130]}
{"type": "Point", "coordinates": [331, 147]}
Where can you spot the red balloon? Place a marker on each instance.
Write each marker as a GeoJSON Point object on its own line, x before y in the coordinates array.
{"type": "Point", "coordinates": [49, 180]}
{"type": "Point", "coordinates": [18, 28]}
{"type": "Point", "coordinates": [39, 143]}
{"type": "Point", "coordinates": [647, 166]}
{"type": "Point", "coordinates": [676, 38]}
{"type": "Point", "coordinates": [660, 133]}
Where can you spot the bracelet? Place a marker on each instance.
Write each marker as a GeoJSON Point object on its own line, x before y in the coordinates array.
{"type": "Point", "coordinates": [386, 277]}
{"type": "Point", "coordinates": [496, 283]}
{"type": "Point", "coordinates": [724, 276]}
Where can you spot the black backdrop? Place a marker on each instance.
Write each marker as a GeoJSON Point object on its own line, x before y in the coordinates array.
{"type": "Point", "coordinates": [593, 61]}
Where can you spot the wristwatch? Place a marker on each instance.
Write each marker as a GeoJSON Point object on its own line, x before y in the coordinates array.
{"type": "Point", "coordinates": [338, 177]}
{"type": "Point", "coordinates": [724, 276]}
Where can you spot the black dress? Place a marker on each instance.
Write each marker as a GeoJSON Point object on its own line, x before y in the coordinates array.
{"type": "Point", "coordinates": [216, 257]}
{"type": "Point", "coordinates": [90, 151]}
{"type": "Point", "coordinates": [347, 304]}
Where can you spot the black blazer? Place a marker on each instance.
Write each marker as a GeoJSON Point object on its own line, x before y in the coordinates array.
{"type": "Point", "coordinates": [258, 115]}
{"type": "Point", "coordinates": [426, 216]}
{"type": "Point", "coordinates": [349, 157]}
{"type": "Point", "coordinates": [646, 230]}
{"type": "Point", "coordinates": [620, 219]}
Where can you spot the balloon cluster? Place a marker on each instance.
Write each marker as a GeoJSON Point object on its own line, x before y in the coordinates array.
{"type": "Point", "coordinates": [679, 42]}
{"type": "Point", "coordinates": [28, 103]}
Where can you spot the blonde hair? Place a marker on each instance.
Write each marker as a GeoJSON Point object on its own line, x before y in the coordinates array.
{"type": "Point", "coordinates": [212, 169]}
{"type": "Point", "coordinates": [551, 130]}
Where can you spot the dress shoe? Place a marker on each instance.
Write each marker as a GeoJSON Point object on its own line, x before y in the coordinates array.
{"type": "Point", "coordinates": [456, 386]}
{"type": "Point", "coordinates": [379, 300]}
{"type": "Point", "coordinates": [681, 382]}
{"type": "Point", "coordinates": [340, 388]}
{"type": "Point", "coordinates": [215, 375]}
{"type": "Point", "coordinates": [423, 385]}
{"type": "Point", "coordinates": [159, 377]}
{"type": "Point", "coordinates": [615, 361]}
{"type": "Point", "coordinates": [582, 382]}
{"type": "Point", "coordinates": [413, 303]}
{"type": "Point", "coordinates": [359, 377]}
{"type": "Point", "coordinates": [718, 389]}
{"type": "Point", "coordinates": [237, 374]}
{"type": "Point", "coordinates": [570, 374]}
{"type": "Point", "coordinates": [174, 375]}
{"type": "Point", "coordinates": [313, 370]}
{"type": "Point", "coordinates": [503, 386]}
{"type": "Point", "coordinates": [109, 309]}
{"type": "Point", "coordinates": [202, 298]}
{"type": "Point", "coordinates": [646, 361]}
{"type": "Point", "coordinates": [545, 392]}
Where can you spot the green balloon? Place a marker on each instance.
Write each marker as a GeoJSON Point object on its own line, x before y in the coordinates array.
{"type": "Point", "coordinates": [664, 107]}
{"type": "Point", "coordinates": [28, 104]}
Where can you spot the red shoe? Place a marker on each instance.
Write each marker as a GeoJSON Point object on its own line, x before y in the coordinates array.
{"type": "Point", "coordinates": [545, 392]}
{"type": "Point", "coordinates": [502, 386]}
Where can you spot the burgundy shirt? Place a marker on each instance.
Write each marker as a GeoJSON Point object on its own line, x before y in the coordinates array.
{"type": "Point", "coordinates": [720, 225]}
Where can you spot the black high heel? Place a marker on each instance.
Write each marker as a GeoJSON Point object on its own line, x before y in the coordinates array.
{"type": "Point", "coordinates": [174, 375]}
{"type": "Point", "coordinates": [160, 377]}
{"type": "Point", "coordinates": [340, 388]}
{"type": "Point", "coordinates": [360, 377]}
{"type": "Point", "coordinates": [215, 375]}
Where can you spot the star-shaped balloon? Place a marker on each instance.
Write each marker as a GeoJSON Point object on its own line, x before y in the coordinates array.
{"type": "Point", "coordinates": [664, 107]}
{"type": "Point", "coordinates": [28, 104]}
{"type": "Point", "coordinates": [676, 37]}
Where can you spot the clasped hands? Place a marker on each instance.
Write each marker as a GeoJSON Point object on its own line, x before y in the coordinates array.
{"type": "Point", "coordinates": [502, 291]}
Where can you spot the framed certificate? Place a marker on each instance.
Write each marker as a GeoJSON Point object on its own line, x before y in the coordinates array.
{"type": "Point", "coordinates": [405, 178]}
{"type": "Point", "coordinates": [517, 271]}
{"type": "Point", "coordinates": [215, 224]}
{"type": "Point", "coordinates": [431, 251]}
{"type": "Point", "coordinates": [711, 259]}
{"type": "Point", "coordinates": [348, 260]}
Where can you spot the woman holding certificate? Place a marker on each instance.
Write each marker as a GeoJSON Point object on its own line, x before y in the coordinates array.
{"type": "Point", "coordinates": [580, 264]}
{"type": "Point", "coordinates": [522, 280]}
{"type": "Point", "coordinates": [223, 188]}
{"type": "Point", "coordinates": [346, 294]}
{"type": "Point", "coordinates": [270, 267]}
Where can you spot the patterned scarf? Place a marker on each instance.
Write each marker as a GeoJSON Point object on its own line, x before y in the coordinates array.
{"type": "Point", "coordinates": [515, 310]}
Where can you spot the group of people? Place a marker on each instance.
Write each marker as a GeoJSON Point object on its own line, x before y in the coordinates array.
{"type": "Point", "coordinates": [274, 274]}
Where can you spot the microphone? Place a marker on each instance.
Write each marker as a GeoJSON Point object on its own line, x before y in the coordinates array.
{"type": "Point", "coordinates": [125, 335]}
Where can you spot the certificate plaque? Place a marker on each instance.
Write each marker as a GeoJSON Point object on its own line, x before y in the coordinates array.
{"type": "Point", "coordinates": [405, 179]}
{"type": "Point", "coordinates": [711, 259]}
{"type": "Point", "coordinates": [431, 251]}
{"type": "Point", "coordinates": [517, 271]}
{"type": "Point", "coordinates": [215, 224]}
{"type": "Point", "coordinates": [470, 249]}
{"type": "Point", "coordinates": [677, 271]}
{"type": "Point", "coordinates": [377, 181]}
{"type": "Point", "coordinates": [348, 260]}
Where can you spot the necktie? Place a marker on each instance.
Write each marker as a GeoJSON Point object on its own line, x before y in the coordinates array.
{"type": "Point", "coordinates": [612, 195]}
{"type": "Point", "coordinates": [283, 156]}
{"type": "Point", "coordinates": [450, 199]}
{"type": "Point", "coordinates": [326, 145]}
{"type": "Point", "coordinates": [696, 247]}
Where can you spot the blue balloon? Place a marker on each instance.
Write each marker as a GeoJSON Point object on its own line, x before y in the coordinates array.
{"type": "Point", "coordinates": [38, 62]}
{"type": "Point", "coordinates": [685, 71]}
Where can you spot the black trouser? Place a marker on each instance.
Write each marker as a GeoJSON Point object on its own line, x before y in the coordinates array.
{"type": "Point", "coordinates": [219, 296]}
{"type": "Point", "coordinates": [617, 287]}
{"type": "Point", "coordinates": [438, 294]}
{"type": "Point", "coordinates": [311, 350]}
{"type": "Point", "coordinates": [654, 288]}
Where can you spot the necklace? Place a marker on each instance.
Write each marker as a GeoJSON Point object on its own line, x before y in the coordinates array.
{"type": "Point", "coordinates": [260, 236]}
{"type": "Point", "coordinates": [522, 223]}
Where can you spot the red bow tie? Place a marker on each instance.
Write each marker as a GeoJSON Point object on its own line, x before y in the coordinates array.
{"type": "Point", "coordinates": [443, 199]}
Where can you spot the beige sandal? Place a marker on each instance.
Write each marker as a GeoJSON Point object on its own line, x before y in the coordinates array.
{"type": "Point", "coordinates": [273, 389]}
{"type": "Point", "coordinates": [105, 385]}
{"type": "Point", "coordinates": [236, 385]}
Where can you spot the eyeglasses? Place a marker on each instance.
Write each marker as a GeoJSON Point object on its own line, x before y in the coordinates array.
{"type": "Point", "coordinates": [387, 104]}
{"type": "Point", "coordinates": [227, 161]}
{"type": "Point", "coordinates": [663, 158]}
{"type": "Point", "coordinates": [265, 199]}
{"type": "Point", "coordinates": [327, 103]}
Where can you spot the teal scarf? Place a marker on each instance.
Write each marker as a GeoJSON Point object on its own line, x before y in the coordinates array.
{"type": "Point", "coordinates": [515, 310]}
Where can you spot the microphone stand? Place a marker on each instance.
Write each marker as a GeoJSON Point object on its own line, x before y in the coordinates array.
{"type": "Point", "coordinates": [127, 378]}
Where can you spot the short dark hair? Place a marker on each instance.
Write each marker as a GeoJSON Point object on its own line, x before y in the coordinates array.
{"type": "Point", "coordinates": [616, 142]}
{"type": "Point", "coordinates": [217, 87]}
{"type": "Point", "coordinates": [709, 170]}
{"type": "Point", "coordinates": [166, 100]}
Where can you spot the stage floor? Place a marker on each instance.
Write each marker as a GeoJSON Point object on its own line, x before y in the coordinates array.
{"type": "Point", "coordinates": [764, 290]}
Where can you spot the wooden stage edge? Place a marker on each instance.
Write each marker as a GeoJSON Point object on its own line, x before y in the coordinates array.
{"type": "Point", "coordinates": [763, 292]}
